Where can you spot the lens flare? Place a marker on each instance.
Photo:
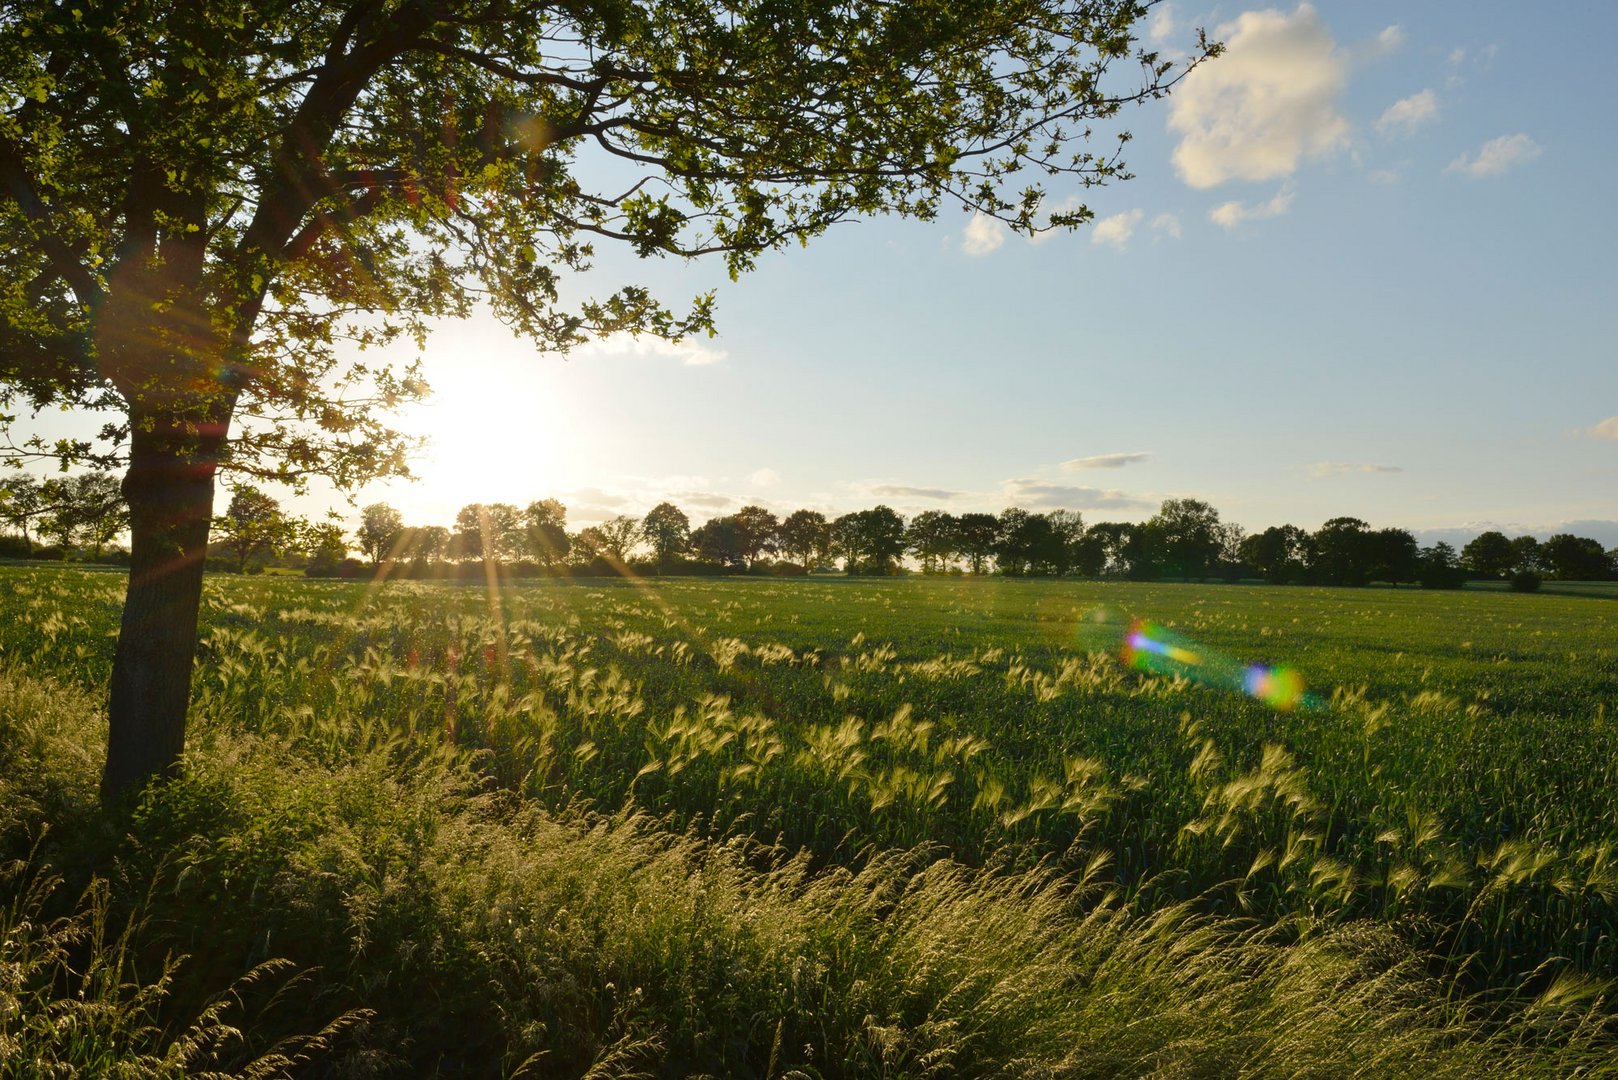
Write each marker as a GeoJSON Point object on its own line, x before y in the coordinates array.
{"type": "Point", "coordinates": [1147, 646]}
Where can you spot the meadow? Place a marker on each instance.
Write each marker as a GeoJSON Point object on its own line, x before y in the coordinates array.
{"type": "Point", "coordinates": [819, 827]}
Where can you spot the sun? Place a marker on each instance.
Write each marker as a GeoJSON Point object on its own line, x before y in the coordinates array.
{"type": "Point", "coordinates": [499, 428]}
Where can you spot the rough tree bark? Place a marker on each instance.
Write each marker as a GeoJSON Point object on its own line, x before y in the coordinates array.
{"type": "Point", "coordinates": [169, 487]}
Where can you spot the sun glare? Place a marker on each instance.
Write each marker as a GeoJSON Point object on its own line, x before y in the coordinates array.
{"type": "Point", "coordinates": [498, 429]}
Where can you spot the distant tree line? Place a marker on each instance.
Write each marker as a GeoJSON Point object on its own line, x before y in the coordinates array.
{"type": "Point", "coordinates": [1185, 540]}
{"type": "Point", "coordinates": [63, 516]}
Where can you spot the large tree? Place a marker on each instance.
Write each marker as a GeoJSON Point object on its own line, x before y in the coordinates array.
{"type": "Point", "coordinates": [201, 203]}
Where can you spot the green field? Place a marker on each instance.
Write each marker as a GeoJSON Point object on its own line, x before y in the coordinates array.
{"type": "Point", "coordinates": [942, 830]}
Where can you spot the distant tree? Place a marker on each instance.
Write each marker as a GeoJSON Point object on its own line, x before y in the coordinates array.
{"type": "Point", "coordinates": [1575, 558]}
{"type": "Point", "coordinates": [1440, 567]}
{"type": "Point", "coordinates": [617, 537]}
{"type": "Point", "coordinates": [59, 522]}
{"type": "Point", "coordinates": [253, 524]}
{"type": "Point", "coordinates": [327, 547]}
{"type": "Point", "coordinates": [1397, 555]}
{"type": "Point", "coordinates": [1281, 553]}
{"type": "Point", "coordinates": [931, 538]}
{"type": "Point", "coordinates": [1061, 549]}
{"type": "Point", "coordinates": [667, 530]}
{"type": "Point", "coordinates": [586, 545]}
{"type": "Point", "coordinates": [1488, 555]}
{"type": "Point", "coordinates": [1014, 540]}
{"type": "Point", "coordinates": [719, 540]}
{"type": "Point", "coordinates": [1107, 548]}
{"type": "Point", "coordinates": [422, 545]}
{"type": "Point", "coordinates": [756, 533]}
{"type": "Point", "coordinates": [380, 525]}
{"type": "Point", "coordinates": [1525, 556]}
{"type": "Point", "coordinates": [488, 531]}
{"type": "Point", "coordinates": [976, 534]}
{"type": "Point", "coordinates": [102, 510]}
{"type": "Point", "coordinates": [88, 507]}
{"type": "Point", "coordinates": [1184, 539]}
{"type": "Point", "coordinates": [1343, 552]}
{"type": "Point", "coordinates": [871, 540]}
{"type": "Point", "coordinates": [1231, 565]}
{"type": "Point", "coordinates": [22, 501]}
{"type": "Point", "coordinates": [545, 532]}
{"type": "Point", "coordinates": [804, 535]}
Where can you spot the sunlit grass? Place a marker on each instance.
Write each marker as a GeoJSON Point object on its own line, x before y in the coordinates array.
{"type": "Point", "coordinates": [1446, 815]}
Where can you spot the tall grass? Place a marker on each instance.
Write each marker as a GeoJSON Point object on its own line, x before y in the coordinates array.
{"type": "Point", "coordinates": [749, 828]}
{"type": "Point", "coordinates": [461, 930]}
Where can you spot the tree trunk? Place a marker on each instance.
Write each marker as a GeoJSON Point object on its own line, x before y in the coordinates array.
{"type": "Point", "coordinates": [169, 488]}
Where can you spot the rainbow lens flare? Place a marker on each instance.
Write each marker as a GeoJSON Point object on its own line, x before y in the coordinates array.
{"type": "Point", "coordinates": [1146, 646]}
{"type": "Point", "coordinates": [1279, 688]}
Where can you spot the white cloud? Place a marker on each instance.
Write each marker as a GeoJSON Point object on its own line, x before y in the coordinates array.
{"type": "Point", "coordinates": [1497, 155]}
{"type": "Point", "coordinates": [1340, 468]}
{"type": "Point", "coordinates": [1038, 494]}
{"type": "Point", "coordinates": [1163, 25]}
{"type": "Point", "coordinates": [1406, 115]}
{"type": "Point", "coordinates": [765, 478]}
{"type": "Point", "coordinates": [1107, 461]}
{"type": "Point", "coordinates": [1231, 214]}
{"type": "Point", "coordinates": [906, 491]}
{"type": "Point", "coordinates": [1266, 104]}
{"type": "Point", "coordinates": [1607, 429]}
{"type": "Point", "coordinates": [1390, 40]}
{"type": "Point", "coordinates": [1167, 223]}
{"type": "Point", "coordinates": [1116, 230]}
{"type": "Point", "coordinates": [1384, 176]}
{"type": "Point", "coordinates": [983, 234]}
{"type": "Point", "coordinates": [627, 344]}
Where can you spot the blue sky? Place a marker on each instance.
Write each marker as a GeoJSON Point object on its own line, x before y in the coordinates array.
{"type": "Point", "coordinates": [1366, 267]}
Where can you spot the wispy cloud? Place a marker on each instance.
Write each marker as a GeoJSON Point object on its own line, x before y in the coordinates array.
{"type": "Point", "coordinates": [1040, 494]}
{"type": "Point", "coordinates": [1163, 24]}
{"type": "Point", "coordinates": [686, 351]}
{"type": "Point", "coordinates": [1340, 468]}
{"type": "Point", "coordinates": [905, 491]}
{"type": "Point", "coordinates": [1231, 214]}
{"type": "Point", "coordinates": [1408, 115]}
{"type": "Point", "coordinates": [765, 478]}
{"type": "Point", "coordinates": [1264, 106]}
{"type": "Point", "coordinates": [708, 500]}
{"type": "Point", "coordinates": [1107, 461]}
{"type": "Point", "coordinates": [1167, 224]}
{"type": "Point", "coordinates": [1390, 40]}
{"type": "Point", "coordinates": [983, 234]}
{"type": "Point", "coordinates": [1607, 429]}
{"type": "Point", "coordinates": [1116, 230]}
{"type": "Point", "coordinates": [1496, 156]}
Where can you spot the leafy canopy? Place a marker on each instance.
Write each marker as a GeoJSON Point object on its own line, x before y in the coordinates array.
{"type": "Point", "coordinates": [205, 206]}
